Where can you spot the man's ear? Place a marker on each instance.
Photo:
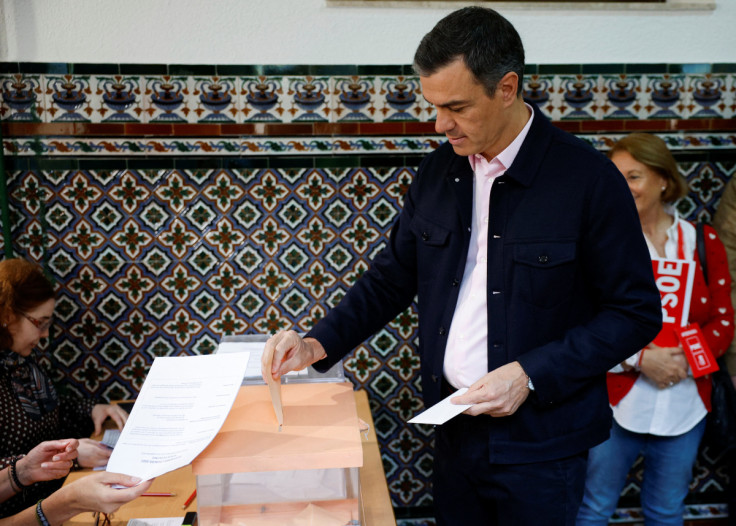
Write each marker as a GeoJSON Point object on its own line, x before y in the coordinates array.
{"type": "Point", "coordinates": [509, 87]}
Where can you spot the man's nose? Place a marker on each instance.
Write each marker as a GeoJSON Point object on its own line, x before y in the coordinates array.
{"type": "Point", "coordinates": [443, 122]}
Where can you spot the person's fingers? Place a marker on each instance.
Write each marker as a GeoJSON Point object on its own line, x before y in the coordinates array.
{"type": "Point", "coordinates": [479, 409]}
{"type": "Point", "coordinates": [117, 417]}
{"type": "Point", "coordinates": [57, 469]}
{"type": "Point", "coordinates": [118, 478]}
{"type": "Point", "coordinates": [64, 456]}
{"type": "Point", "coordinates": [468, 398]}
{"type": "Point", "coordinates": [72, 444]}
{"type": "Point", "coordinates": [142, 487]}
{"type": "Point", "coordinates": [282, 347]}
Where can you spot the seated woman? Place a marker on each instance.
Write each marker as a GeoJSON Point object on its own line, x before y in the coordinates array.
{"type": "Point", "coordinates": [31, 411]}
{"type": "Point", "coordinates": [658, 407]}
{"type": "Point", "coordinates": [52, 460]}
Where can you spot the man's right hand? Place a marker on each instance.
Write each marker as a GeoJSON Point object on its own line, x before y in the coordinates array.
{"type": "Point", "coordinates": [290, 353]}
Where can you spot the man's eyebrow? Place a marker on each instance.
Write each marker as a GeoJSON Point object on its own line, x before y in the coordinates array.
{"type": "Point", "coordinates": [447, 104]}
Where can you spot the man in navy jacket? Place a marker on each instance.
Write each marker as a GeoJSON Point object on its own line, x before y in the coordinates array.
{"type": "Point", "coordinates": [547, 226]}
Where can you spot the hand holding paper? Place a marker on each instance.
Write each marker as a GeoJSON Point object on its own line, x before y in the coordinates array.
{"type": "Point", "coordinates": [291, 353]}
{"type": "Point", "coordinates": [499, 392]}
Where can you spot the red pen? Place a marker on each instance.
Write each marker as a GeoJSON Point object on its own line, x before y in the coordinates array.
{"type": "Point", "coordinates": [190, 499]}
{"type": "Point", "coordinates": [158, 494]}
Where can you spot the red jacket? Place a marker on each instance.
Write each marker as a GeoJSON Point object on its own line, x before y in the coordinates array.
{"type": "Point", "coordinates": [710, 307]}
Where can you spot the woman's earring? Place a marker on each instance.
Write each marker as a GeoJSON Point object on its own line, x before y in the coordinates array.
{"type": "Point", "coordinates": [664, 188]}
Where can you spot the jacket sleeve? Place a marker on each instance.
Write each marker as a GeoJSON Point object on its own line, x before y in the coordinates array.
{"type": "Point", "coordinates": [386, 289]}
{"type": "Point", "coordinates": [718, 331]}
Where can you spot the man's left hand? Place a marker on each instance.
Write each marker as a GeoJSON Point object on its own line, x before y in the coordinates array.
{"type": "Point", "coordinates": [498, 393]}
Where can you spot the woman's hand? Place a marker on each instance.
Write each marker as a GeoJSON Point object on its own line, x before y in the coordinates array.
{"type": "Point", "coordinates": [665, 366]}
{"type": "Point", "coordinates": [102, 412]}
{"type": "Point", "coordinates": [47, 461]}
{"type": "Point", "coordinates": [93, 454]}
{"type": "Point", "coordinates": [94, 492]}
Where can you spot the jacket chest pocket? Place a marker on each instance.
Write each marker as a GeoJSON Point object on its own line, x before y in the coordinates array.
{"type": "Point", "coordinates": [432, 243]}
{"type": "Point", "coordinates": [545, 272]}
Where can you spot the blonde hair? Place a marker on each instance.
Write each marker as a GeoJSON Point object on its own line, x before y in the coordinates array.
{"type": "Point", "coordinates": [652, 152]}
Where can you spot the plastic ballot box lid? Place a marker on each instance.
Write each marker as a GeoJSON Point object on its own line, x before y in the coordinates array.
{"type": "Point", "coordinates": [320, 431]}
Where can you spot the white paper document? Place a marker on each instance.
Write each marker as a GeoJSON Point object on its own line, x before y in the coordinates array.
{"type": "Point", "coordinates": [181, 407]}
{"type": "Point", "coordinates": [442, 411]}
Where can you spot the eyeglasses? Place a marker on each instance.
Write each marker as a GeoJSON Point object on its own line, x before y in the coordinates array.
{"type": "Point", "coordinates": [41, 325]}
{"type": "Point", "coordinates": [102, 519]}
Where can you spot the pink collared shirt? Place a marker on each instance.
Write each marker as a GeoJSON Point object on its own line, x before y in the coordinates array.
{"type": "Point", "coordinates": [466, 355]}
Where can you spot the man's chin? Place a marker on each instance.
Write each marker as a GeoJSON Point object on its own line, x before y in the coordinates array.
{"type": "Point", "coordinates": [462, 149]}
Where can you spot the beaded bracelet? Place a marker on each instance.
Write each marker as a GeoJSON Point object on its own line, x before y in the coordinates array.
{"type": "Point", "coordinates": [42, 520]}
{"type": "Point", "coordinates": [14, 475]}
{"type": "Point", "coordinates": [12, 484]}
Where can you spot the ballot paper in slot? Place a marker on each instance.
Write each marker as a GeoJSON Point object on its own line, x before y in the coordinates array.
{"type": "Point", "coordinates": [182, 405]}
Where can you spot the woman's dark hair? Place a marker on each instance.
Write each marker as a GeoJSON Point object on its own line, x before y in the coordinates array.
{"type": "Point", "coordinates": [487, 43]}
{"type": "Point", "coordinates": [23, 287]}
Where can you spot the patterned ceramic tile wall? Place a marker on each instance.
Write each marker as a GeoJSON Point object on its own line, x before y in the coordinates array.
{"type": "Point", "coordinates": [165, 262]}
{"type": "Point", "coordinates": [161, 242]}
{"type": "Point", "coordinates": [54, 98]}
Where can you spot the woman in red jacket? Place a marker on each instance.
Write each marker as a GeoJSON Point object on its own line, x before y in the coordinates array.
{"type": "Point", "coordinates": [659, 409]}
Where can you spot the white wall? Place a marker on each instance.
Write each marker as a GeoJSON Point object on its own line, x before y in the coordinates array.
{"type": "Point", "coordinates": [310, 32]}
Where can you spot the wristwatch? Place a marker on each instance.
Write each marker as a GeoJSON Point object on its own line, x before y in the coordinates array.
{"type": "Point", "coordinates": [529, 383]}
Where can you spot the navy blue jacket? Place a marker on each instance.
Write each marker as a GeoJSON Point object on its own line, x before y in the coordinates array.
{"type": "Point", "coordinates": [570, 285]}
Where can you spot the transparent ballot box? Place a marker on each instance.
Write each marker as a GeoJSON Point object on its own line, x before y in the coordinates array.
{"type": "Point", "coordinates": [305, 473]}
{"type": "Point", "coordinates": [254, 343]}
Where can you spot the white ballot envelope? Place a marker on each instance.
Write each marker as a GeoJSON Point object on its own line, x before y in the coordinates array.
{"type": "Point", "coordinates": [442, 411]}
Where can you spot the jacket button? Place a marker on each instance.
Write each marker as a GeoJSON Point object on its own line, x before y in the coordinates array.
{"type": "Point", "coordinates": [543, 259]}
{"type": "Point", "coordinates": [441, 331]}
{"type": "Point", "coordinates": [455, 282]}
{"type": "Point", "coordinates": [425, 236]}
{"type": "Point", "coordinates": [434, 378]}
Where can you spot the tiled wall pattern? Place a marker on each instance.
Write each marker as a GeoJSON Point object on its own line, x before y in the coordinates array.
{"type": "Point", "coordinates": [128, 98]}
{"type": "Point", "coordinates": [175, 207]}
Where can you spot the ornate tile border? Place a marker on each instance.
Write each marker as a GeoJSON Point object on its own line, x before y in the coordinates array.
{"type": "Point", "coordinates": [677, 93]}
{"type": "Point", "coordinates": [292, 146]}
